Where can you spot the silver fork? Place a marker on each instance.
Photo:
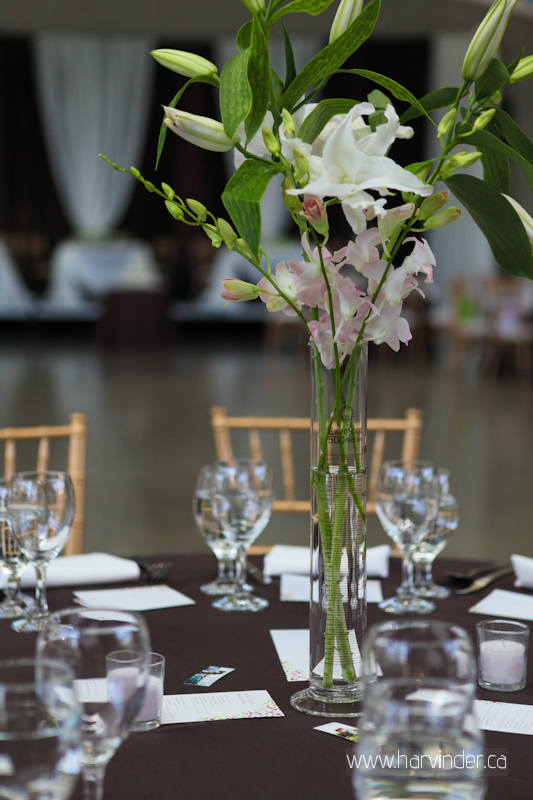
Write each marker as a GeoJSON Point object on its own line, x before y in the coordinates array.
{"type": "Point", "coordinates": [485, 580]}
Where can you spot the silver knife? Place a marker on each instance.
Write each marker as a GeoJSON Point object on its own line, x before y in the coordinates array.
{"type": "Point", "coordinates": [485, 580]}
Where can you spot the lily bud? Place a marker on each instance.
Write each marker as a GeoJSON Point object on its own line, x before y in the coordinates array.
{"type": "Point", "coordinates": [486, 40]}
{"type": "Point", "coordinates": [483, 120]}
{"type": "Point", "coordinates": [525, 218]}
{"type": "Point", "coordinates": [459, 161]}
{"type": "Point", "coordinates": [197, 208]}
{"type": "Point", "coordinates": [236, 290]}
{"type": "Point", "coordinates": [226, 231]}
{"type": "Point", "coordinates": [347, 11]}
{"type": "Point", "coordinates": [271, 143]}
{"type": "Point", "coordinates": [523, 70]}
{"type": "Point", "coordinates": [188, 64]}
{"type": "Point", "coordinates": [202, 131]}
{"type": "Point", "coordinates": [288, 122]}
{"type": "Point", "coordinates": [291, 201]}
{"type": "Point", "coordinates": [314, 211]}
{"type": "Point", "coordinates": [168, 190]}
{"type": "Point", "coordinates": [254, 6]}
{"type": "Point", "coordinates": [174, 209]}
{"type": "Point", "coordinates": [447, 122]}
{"type": "Point", "coordinates": [432, 204]}
{"type": "Point", "coordinates": [301, 172]}
{"type": "Point", "coordinates": [214, 235]}
{"type": "Point", "coordinates": [444, 217]}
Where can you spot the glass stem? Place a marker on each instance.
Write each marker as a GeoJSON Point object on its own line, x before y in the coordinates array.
{"type": "Point", "coordinates": [225, 570]}
{"type": "Point", "coordinates": [93, 783]}
{"type": "Point", "coordinates": [407, 585]}
{"type": "Point", "coordinates": [240, 569]}
{"type": "Point", "coordinates": [41, 605]}
{"type": "Point", "coordinates": [12, 588]}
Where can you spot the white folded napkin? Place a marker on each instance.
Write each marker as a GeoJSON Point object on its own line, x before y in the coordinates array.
{"type": "Point", "coordinates": [291, 560]}
{"type": "Point", "coordinates": [523, 570]}
{"type": "Point", "coordinates": [83, 569]}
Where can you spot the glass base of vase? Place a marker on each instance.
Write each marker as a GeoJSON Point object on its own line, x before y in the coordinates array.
{"type": "Point", "coordinates": [308, 702]}
{"type": "Point", "coordinates": [406, 604]}
{"type": "Point", "coordinates": [240, 602]}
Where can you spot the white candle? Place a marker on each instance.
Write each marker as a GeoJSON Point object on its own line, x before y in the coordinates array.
{"type": "Point", "coordinates": [502, 661]}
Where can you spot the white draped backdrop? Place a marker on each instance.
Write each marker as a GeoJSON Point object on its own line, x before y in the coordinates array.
{"type": "Point", "coordinates": [94, 97]}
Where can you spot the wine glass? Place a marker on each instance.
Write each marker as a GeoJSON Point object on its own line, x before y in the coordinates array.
{"type": "Point", "coordinates": [83, 638]}
{"type": "Point", "coordinates": [213, 534]}
{"type": "Point", "coordinates": [420, 649]}
{"type": "Point", "coordinates": [406, 505]}
{"type": "Point", "coordinates": [436, 539]}
{"type": "Point", "coordinates": [415, 738]}
{"type": "Point", "coordinates": [12, 562]}
{"type": "Point", "coordinates": [40, 746]}
{"type": "Point", "coordinates": [242, 497]}
{"type": "Point", "coordinates": [41, 508]}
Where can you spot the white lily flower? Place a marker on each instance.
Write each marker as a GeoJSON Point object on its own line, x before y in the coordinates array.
{"type": "Point", "coordinates": [354, 161]}
{"type": "Point", "coordinates": [202, 131]}
{"type": "Point", "coordinates": [347, 11]}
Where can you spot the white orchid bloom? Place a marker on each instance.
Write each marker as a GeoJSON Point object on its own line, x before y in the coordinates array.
{"type": "Point", "coordinates": [354, 161]}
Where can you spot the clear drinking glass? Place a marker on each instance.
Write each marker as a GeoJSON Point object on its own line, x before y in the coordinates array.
{"type": "Point", "coordinates": [82, 639]}
{"type": "Point", "coordinates": [406, 505]}
{"type": "Point", "coordinates": [40, 748]}
{"type": "Point", "coordinates": [13, 563]}
{"type": "Point", "coordinates": [224, 549]}
{"type": "Point", "coordinates": [416, 738]}
{"type": "Point", "coordinates": [436, 539]}
{"type": "Point", "coordinates": [242, 498]}
{"type": "Point", "coordinates": [41, 508]}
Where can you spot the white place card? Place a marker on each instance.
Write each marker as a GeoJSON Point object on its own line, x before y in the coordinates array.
{"type": "Point", "coordinates": [210, 706]}
{"type": "Point", "coordinates": [295, 588]}
{"type": "Point", "coordinates": [502, 603]}
{"type": "Point", "coordinates": [137, 598]}
{"type": "Point", "coordinates": [506, 717]}
{"type": "Point", "coordinates": [292, 647]}
{"type": "Point", "coordinates": [340, 729]}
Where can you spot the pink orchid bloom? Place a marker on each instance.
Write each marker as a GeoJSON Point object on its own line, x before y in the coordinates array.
{"type": "Point", "coordinates": [314, 211]}
{"type": "Point", "coordinates": [285, 279]}
{"type": "Point", "coordinates": [363, 250]}
{"type": "Point", "coordinates": [387, 326]}
{"type": "Point", "coordinates": [323, 338]}
{"type": "Point", "coordinates": [421, 259]}
{"type": "Point", "coordinates": [398, 285]}
{"type": "Point", "coordinates": [310, 287]}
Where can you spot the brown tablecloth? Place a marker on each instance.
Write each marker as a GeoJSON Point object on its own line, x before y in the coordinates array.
{"type": "Point", "coordinates": [257, 758]}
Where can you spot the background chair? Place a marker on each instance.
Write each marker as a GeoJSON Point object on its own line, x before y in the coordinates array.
{"type": "Point", "coordinates": [45, 437]}
{"type": "Point", "coordinates": [408, 428]}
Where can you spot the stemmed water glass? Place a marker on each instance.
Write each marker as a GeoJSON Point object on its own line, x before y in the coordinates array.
{"type": "Point", "coordinates": [242, 496]}
{"type": "Point", "coordinates": [213, 534]}
{"type": "Point", "coordinates": [82, 638]}
{"type": "Point", "coordinates": [436, 539]}
{"type": "Point", "coordinates": [41, 508]}
{"type": "Point", "coordinates": [406, 505]}
{"type": "Point", "coordinates": [12, 562]}
{"type": "Point", "coordinates": [40, 747]}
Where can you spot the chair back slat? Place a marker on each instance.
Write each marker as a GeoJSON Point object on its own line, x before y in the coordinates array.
{"type": "Point", "coordinates": [75, 434]}
{"type": "Point", "coordinates": [408, 427]}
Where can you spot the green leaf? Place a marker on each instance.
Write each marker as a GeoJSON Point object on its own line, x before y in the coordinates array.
{"type": "Point", "coordinates": [276, 93]}
{"type": "Point", "coordinates": [333, 55]}
{"type": "Point", "coordinates": [242, 197]}
{"type": "Point", "coordinates": [244, 35]}
{"type": "Point", "coordinates": [499, 222]}
{"type": "Point", "coordinates": [320, 116]}
{"type": "Point", "coordinates": [396, 89]}
{"type": "Point", "coordinates": [312, 7]}
{"type": "Point", "coordinates": [431, 102]}
{"type": "Point", "coordinates": [258, 78]}
{"type": "Point", "coordinates": [514, 134]}
{"type": "Point", "coordinates": [484, 139]}
{"type": "Point", "coordinates": [290, 66]}
{"type": "Point", "coordinates": [496, 169]}
{"type": "Point", "coordinates": [378, 99]}
{"type": "Point", "coordinates": [235, 94]}
{"type": "Point", "coordinates": [494, 77]}
{"type": "Point", "coordinates": [173, 103]}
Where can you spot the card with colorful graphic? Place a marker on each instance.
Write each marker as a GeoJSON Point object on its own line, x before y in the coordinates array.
{"type": "Point", "coordinates": [340, 729]}
{"type": "Point", "coordinates": [208, 676]}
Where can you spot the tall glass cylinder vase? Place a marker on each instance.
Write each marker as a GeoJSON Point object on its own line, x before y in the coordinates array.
{"type": "Point", "coordinates": [337, 618]}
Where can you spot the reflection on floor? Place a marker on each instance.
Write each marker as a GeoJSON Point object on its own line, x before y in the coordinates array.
{"type": "Point", "coordinates": [149, 431]}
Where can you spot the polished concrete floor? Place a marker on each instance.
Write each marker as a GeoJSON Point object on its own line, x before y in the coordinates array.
{"type": "Point", "coordinates": [149, 429]}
